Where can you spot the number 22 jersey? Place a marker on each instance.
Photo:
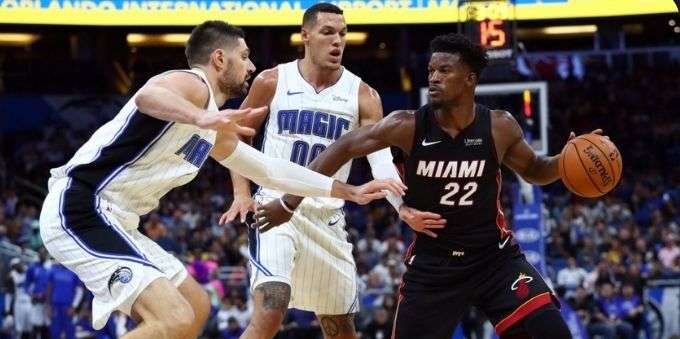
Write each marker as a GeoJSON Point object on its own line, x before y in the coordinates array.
{"type": "Point", "coordinates": [458, 178]}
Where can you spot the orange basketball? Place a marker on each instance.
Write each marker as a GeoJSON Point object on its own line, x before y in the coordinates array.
{"type": "Point", "coordinates": [590, 165]}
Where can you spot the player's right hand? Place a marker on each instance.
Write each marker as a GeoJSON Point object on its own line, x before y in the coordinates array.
{"type": "Point", "coordinates": [421, 221]}
{"type": "Point", "coordinates": [241, 205]}
{"type": "Point", "coordinates": [270, 215]}
{"type": "Point", "coordinates": [228, 120]}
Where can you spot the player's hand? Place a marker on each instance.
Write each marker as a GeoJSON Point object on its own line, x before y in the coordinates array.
{"type": "Point", "coordinates": [572, 135]}
{"type": "Point", "coordinates": [376, 189]}
{"type": "Point", "coordinates": [228, 120]}
{"type": "Point", "coordinates": [241, 205]}
{"type": "Point", "coordinates": [270, 215]}
{"type": "Point", "coordinates": [71, 311]}
{"type": "Point", "coordinates": [420, 221]}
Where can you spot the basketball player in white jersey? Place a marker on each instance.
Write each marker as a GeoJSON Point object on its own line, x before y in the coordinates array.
{"type": "Point", "coordinates": [158, 141]}
{"type": "Point", "coordinates": [307, 263]}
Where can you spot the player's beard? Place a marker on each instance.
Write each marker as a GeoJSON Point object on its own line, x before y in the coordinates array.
{"type": "Point", "coordinates": [234, 87]}
{"type": "Point", "coordinates": [435, 104]}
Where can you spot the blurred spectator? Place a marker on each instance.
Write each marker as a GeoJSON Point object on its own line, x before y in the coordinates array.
{"type": "Point", "coordinates": [233, 306]}
{"type": "Point", "coordinates": [594, 321]}
{"type": "Point", "coordinates": [233, 330]}
{"type": "Point", "coordinates": [631, 307]}
{"type": "Point", "coordinates": [64, 293]}
{"type": "Point", "coordinates": [18, 303]}
{"type": "Point", "coordinates": [669, 252]}
{"type": "Point", "coordinates": [299, 324]}
{"type": "Point", "coordinates": [571, 277]}
{"type": "Point", "coordinates": [36, 282]}
{"type": "Point", "coordinates": [380, 327]}
{"type": "Point", "coordinates": [611, 307]}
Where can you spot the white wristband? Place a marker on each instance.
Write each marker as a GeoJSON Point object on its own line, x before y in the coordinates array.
{"type": "Point", "coordinates": [285, 207]}
{"type": "Point", "coordinates": [382, 167]}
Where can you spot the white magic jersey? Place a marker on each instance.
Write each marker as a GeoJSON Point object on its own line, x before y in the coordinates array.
{"type": "Point", "coordinates": [302, 123]}
{"type": "Point", "coordinates": [135, 159]}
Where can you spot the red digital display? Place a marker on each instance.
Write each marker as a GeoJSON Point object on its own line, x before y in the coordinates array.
{"type": "Point", "coordinates": [493, 34]}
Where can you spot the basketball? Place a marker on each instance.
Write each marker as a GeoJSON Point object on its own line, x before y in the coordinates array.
{"type": "Point", "coordinates": [590, 165]}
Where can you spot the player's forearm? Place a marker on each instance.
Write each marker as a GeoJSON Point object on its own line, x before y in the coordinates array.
{"type": "Point", "coordinates": [240, 183]}
{"type": "Point", "coordinates": [164, 104]}
{"type": "Point", "coordinates": [544, 171]}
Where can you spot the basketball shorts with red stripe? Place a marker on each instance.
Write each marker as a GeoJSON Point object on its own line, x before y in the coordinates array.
{"type": "Point", "coordinates": [440, 285]}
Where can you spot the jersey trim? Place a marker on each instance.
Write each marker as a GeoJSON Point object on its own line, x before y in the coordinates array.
{"type": "Point", "coordinates": [522, 311]}
{"type": "Point", "coordinates": [254, 250]}
{"type": "Point", "coordinates": [95, 237]}
{"type": "Point", "coordinates": [80, 208]}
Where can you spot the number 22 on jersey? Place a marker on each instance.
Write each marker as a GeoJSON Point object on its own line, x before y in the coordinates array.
{"type": "Point", "coordinates": [449, 199]}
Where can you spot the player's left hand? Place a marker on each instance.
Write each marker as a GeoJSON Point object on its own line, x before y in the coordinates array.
{"type": "Point", "coordinates": [572, 135]}
{"type": "Point", "coordinates": [270, 215]}
{"type": "Point", "coordinates": [375, 189]}
{"type": "Point", "coordinates": [241, 205]}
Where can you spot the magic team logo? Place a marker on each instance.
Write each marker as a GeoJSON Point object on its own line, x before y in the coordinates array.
{"type": "Point", "coordinates": [521, 285]}
{"type": "Point", "coordinates": [122, 275]}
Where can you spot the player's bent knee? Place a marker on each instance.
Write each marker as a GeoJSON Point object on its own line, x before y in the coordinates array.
{"type": "Point", "coordinates": [179, 321]}
{"type": "Point", "coordinates": [162, 307]}
{"type": "Point", "coordinates": [271, 304]}
{"type": "Point", "coordinates": [197, 297]}
{"type": "Point", "coordinates": [273, 295]}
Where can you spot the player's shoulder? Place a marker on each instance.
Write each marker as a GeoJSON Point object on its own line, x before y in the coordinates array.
{"type": "Point", "coordinates": [269, 77]}
{"type": "Point", "coordinates": [366, 90]}
{"type": "Point", "coordinates": [504, 123]}
{"type": "Point", "coordinates": [189, 84]}
{"type": "Point", "coordinates": [502, 118]}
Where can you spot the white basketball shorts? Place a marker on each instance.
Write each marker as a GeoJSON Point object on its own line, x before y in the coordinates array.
{"type": "Point", "coordinates": [114, 260]}
{"type": "Point", "coordinates": [312, 255]}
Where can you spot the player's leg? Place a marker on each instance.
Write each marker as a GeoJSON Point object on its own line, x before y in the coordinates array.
{"type": "Point", "coordinates": [176, 272]}
{"type": "Point", "coordinates": [271, 300]}
{"type": "Point", "coordinates": [324, 278]}
{"type": "Point", "coordinates": [112, 265]}
{"type": "Point", "coordinates": [518, 301]}
{"type": "Point", "coordinates": [272, 256]}
{"type": "Point", "coordinates": [337, 326]}
{"type": "Point", "coordinates": [431, 303]}
{"type": "Point", "coordinates": [162, 312]}
{"type": "Point", "coordinates": [545, 322]}
{"type": "Point", "coordinates": [199, 301]}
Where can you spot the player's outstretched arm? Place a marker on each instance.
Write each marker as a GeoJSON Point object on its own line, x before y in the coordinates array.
{"type": "Point", "coordinates": [260, 95]}
{"type": "Point", "coordinates": [180, 96]}
{"type": "Point", "coordinates": [519, 156]}
{"type": "Point", "coordinates": [397, 129]}
{"type": "Point", "coordinates": [289, 177]}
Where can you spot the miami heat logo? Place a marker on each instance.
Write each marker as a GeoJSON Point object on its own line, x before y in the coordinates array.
{"type": "Point", "coordinates": [521, 285]}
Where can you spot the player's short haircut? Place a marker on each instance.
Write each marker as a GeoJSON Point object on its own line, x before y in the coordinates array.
{"type": "Point", "coordinates": [309, 18]}
{"type": "Point", "coordinates": [473, 55]}
{"type": "Point", "coordinates": [209, 36]}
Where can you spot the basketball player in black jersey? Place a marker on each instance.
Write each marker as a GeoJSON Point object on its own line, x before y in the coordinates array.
{"type": "Point", "coordinates": [465, 254]}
